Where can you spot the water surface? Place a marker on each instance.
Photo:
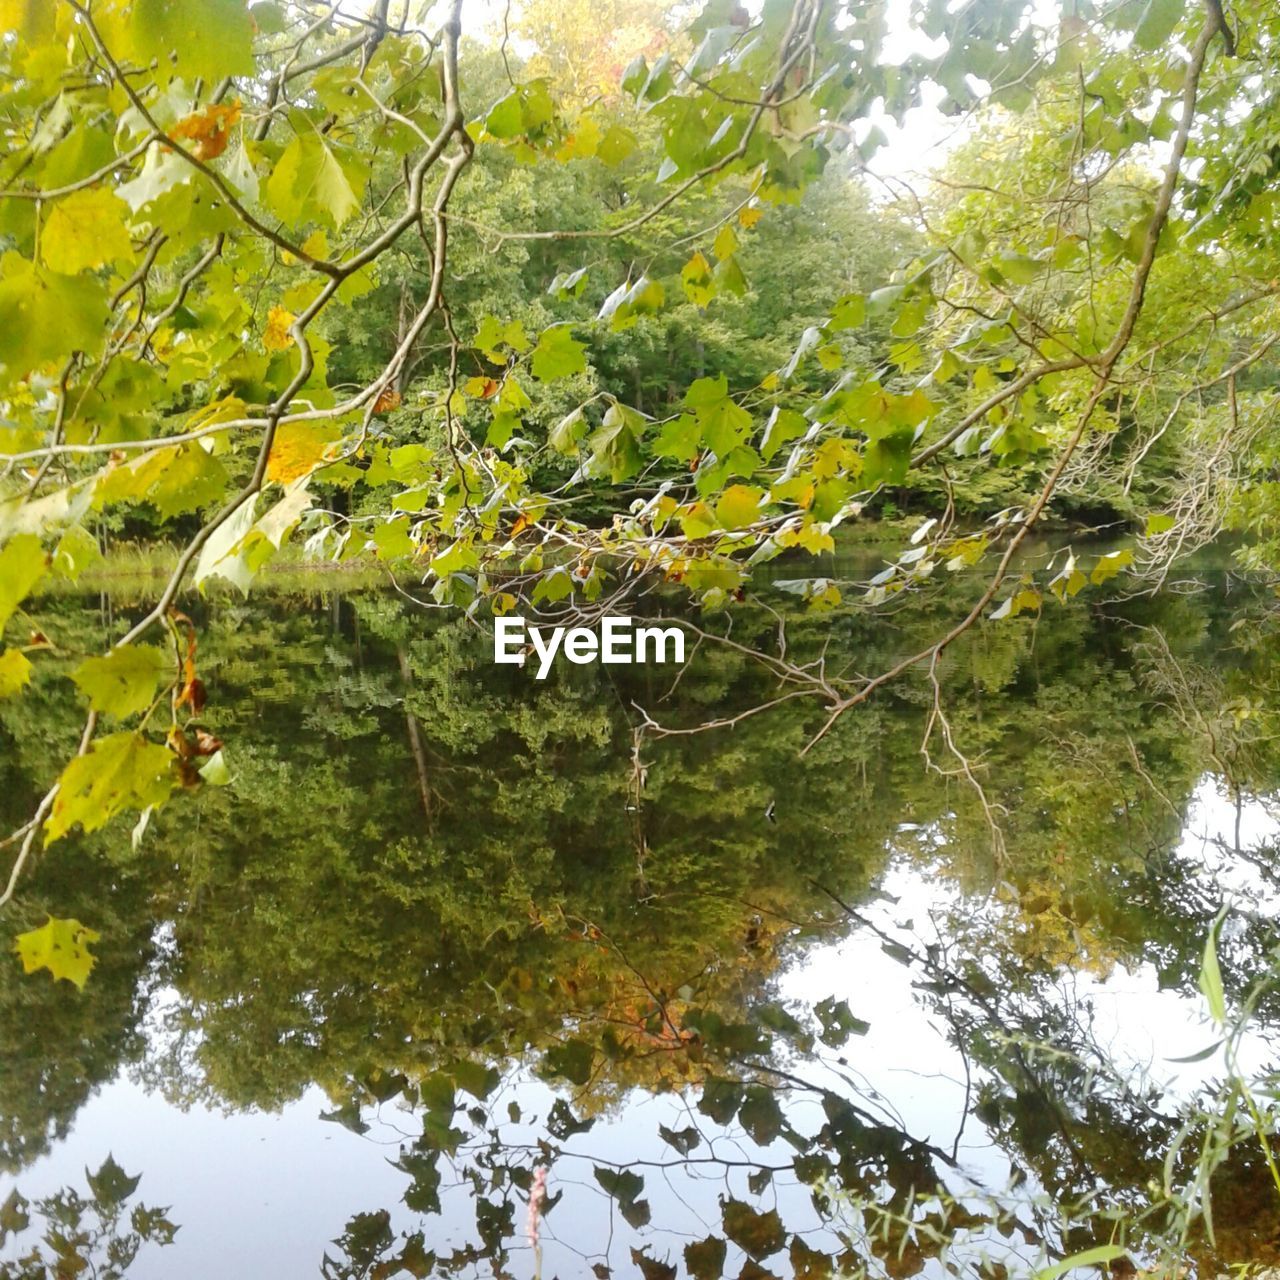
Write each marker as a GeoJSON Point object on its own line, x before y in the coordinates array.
{"type": "Point", "coordinates": [755, 1013]}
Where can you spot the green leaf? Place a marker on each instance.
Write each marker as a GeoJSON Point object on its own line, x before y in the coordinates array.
{"type": "Point", "coordinates": [1211, 977]}
{"type": "Point", "coordinates": [214, 770]}
{"type": "Point", "coordinates": [120, 771]}
{"type": "Point", "coordinates": [760, 1114]}
{"type": "Point", "coordinates": [197, 39]}
{"type": "Point", "coordinates": [85, 229]}
{"type": "Point", "coordinates": [628, 302]}
{"type": "Point", "coordinates": [1157, 23]}
{"type": "Point", "coordinates": [558, 354]}
{"type": "Point", "coordinates": [193, 479]}
{"type": "Point", "coordinates": [526, 108]}
{"type": "Point", "coordinates": [572, 1060]}
{"type": "Point", "coordinates": [76, 550]}
{"type": "Point", "coordinates": [47, 316]}
{"type": "Point", "coordinates": [313, 180]}
{"type": "Point", "coordinates": [569, 284]}
{"type": "Point", "coordinates": [61, 946]}
{"type": "Point", "coordinates": [705, 1259]}
{"type": "Point", "coordinates": [756, 1234]}
{"type": "Point", "coordinates": [14, 1217]}
{"type": "Point", "coordinates": [678, 439]}
{"type": "Point", "coordinates": [850, 312]}
{"type": "Point", "coordinates": [783, 425]}
{"type": "Point", "coordinates": [220, 556]}
{"type": "Point", "coordinates": [491, 335]}
{"type": "Point", "coordinates": [506, 118]}
{"type": "Point", "coordinates": [564, 436]}
{"type": "Point", "coordinates": [625, 1186]}
{"type": "Point", "coordinates": [838, 1024]}
{"type": "Point", "coordinates": [1202, 1055]}
{"type": "Point", "coordinates": [1026, 600]}
{"type": "Point", "coordinates": [1110, 564]}
{"type": "Point", "coordinates": [22, 565]}
{"type": "Point", "coordinates": [15, 672]}
{"type": "Point", "coordinates": [683, 1140]}
{"type": "Point", "coordinates": [726, 242]}
{"type": "Point", "coordinates": [615, 447]}
{"type": "Point", "coordinates": [1157, 524]}
{"type": "Point", "coordinates": [479, 1081]}
{"type": "Point", "coordinates": [616, 145]}
{"type": "Point", "coordinates": [457, 557]}
{"type": "Point", "coordinates": [1088, 1258]}
{"type": "Point", "coordinates": [885, 461]}
{"type": "Point", "coordinates": [724, 423]}
{"type": "Point", "coordinates": [720, 1100]}
{"type": "Point", "coordinates": [111, 1185]}
{"type": "Point", "coordinates": [124, 681]}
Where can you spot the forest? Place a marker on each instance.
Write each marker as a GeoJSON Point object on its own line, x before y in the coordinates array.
{"type": "Point", "coordinates": [911, 362]}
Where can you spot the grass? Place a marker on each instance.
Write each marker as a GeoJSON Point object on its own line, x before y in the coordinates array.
{"type": "Point", "coordinates": [134, 567]}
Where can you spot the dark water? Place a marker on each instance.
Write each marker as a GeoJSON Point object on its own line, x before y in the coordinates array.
{"type": "Point", "coordinates": [754, 1014]}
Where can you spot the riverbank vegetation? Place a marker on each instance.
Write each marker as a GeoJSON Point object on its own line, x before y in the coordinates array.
{"type": "Point", "coordinates": [907, 354]}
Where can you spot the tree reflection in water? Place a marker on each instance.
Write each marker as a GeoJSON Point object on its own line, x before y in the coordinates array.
{"type": "Point", "coordinates": [492, 920]}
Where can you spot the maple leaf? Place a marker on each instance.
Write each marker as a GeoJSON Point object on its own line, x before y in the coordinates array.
{"type": "Point", "coordinates": [15, 672]}
{"type": "Point", "coordinates": [22, 565]}
{"type": "Point", "coordinates": [85, 230]}
{"type": "Point", "coordinates": [61, 946]}
{"type": "Point", "coordinates": [276, 336]}
{"type": "Point", "coordinates": [119, 771]}
{"type": "Point", "coordinates": [297, 448]}
{"type": "Point", "coordinates": [209, 130]}
{"type": "Point", "coordinates": [317, 178]}
{"type": "Point", "coordinates": [124, 681]}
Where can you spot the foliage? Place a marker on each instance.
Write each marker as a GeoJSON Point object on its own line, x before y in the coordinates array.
{"type": "Point", "coordinates": [100, 1235]}
{"type": "Point", "coordinates": [558, 328]}
{"type": "Point", "coordinates": [439, 922]}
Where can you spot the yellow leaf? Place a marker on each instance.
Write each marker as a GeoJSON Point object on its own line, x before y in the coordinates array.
{"type": "Point", "coordinates": [1110, 564]}
{"type": "Point", "coordinates": [276, 336]}
{"type": "Point", "coordinates": [119, 771]}
{"type": "Point", "coordinates": [61, 946]}
{"type": "Point", "coordinates": [85, 229]}
{"type": "Point", "coordinates": [317, 244]}
{"type": "Point", "coordinates": [30, 19]}
{"type": "Point", "coordinates": [584, 141]}
{"type": "Point", "coordinates": [811, 537]}
{"type": "Point", "coordinates": [22, 565]}
{"type": "Point", "coordinates": [739, 506]}
{"type": "Point", "coordinates": [726, 243]}
{"type": "Point", "coordinates": [297, 449]}
{"type": "Point", "coordinates": [749, 216]}
{"type": "Point", "coordinates": [15, 672]}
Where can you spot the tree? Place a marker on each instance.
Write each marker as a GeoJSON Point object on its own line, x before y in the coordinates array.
{"type": "Point", "coordinates": [190, 222]}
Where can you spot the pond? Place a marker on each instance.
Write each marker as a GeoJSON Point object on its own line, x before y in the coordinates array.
{"type": "Point", "coordinates": [748, 1009]}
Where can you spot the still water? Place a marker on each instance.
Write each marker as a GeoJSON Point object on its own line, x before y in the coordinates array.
{"type": "Point", "coordinates": [752, 1013]}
